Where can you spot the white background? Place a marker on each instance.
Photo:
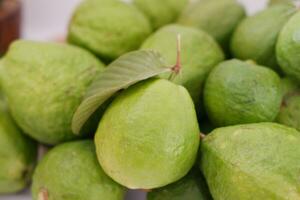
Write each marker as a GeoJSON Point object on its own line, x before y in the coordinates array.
{"type": "Point", "coordinates": [48, 20]}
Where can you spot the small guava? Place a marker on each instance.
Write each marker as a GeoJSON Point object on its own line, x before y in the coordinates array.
{"type": "Point", "coordinates": [44, 84]}
{"type": "Point", "coordinates": [191, 187]}
{"type": "Point", "coordinates": [239, 92]}
{"type": "Point", "coordinates": [71, 171]}
{"type": "Point", "coordinates": [108, 28]}
{"type": "Point", "coordinates": [288, 47]}
{"type": "Point", "coordinates": [149, 135]}
{"type": "Point", "coordinates": [253, 161]}
{"type": "Point", "coordinates": [199, 54]}
{"type": "Point", "coordinates": [256, 36]}
{"type": "Point", "coordinates": [160, 12]}
{"type": "Point", "coordinates": [18, 155]}
{"type": "Point", "coordinates": [219, 18]}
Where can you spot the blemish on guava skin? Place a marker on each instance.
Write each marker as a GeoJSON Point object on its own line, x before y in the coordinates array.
{"type": "Point", "coordinates": [43, 194]}
{"type": "Point", "coordinates": [296, 36]}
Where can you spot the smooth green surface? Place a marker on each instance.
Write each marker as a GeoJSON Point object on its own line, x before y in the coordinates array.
{"type": "Point", "coordinates": [288, 47]}
{"type": "Point", "coordinates": [199, 54]}
{"type": "Point", "coordinates": [108, 28]}
{"type": "Point", "coordinates": [71, 171]}
{"type": "Point", "coordinates": [161, 12]}
{"type": "Point", "coordinates": [219, 18]}
{"type": "Point", "coordinates": [17, 155]}
{"type": "Point", "coordinates": [191, 187]}
{"type": "Point", "coordinates": [44, 84]}
{"type": "Point", "coordinates": [238, 92]}
{"type": "Point", "coordinates": [255, 161]}
{"type": "Point", "coordinates": [149, 136]}
{"type": "Point", "coordinates": [289, 113]}
{"type": "Point", "coordinates": [256, 36]}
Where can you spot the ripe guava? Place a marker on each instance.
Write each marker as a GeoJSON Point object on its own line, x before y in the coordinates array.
{"type": "Point", "coordinates": [219, 18]}
{"type": "Point", "coordinates": [239, 92]}
{"type": "Point", "coordinates": [149, 135]}
{"type": "Point", "coordinates": [44, 84]}
{"type": "Point", "coordinates": [191, 187]}
{"type": "Point", "coordinates": [71, 171]}
{"type": "Point", "coordinates": [288, 47]}
{"type": "Point", "coordinates": [199, 54]}
{"type": "Point", "coordinates": [18, 155]}
{"type": "Point", "coordinates": [160, 12]}
{"type": "Point", "coordinates": [256, 36]}
{"type": "Point", "coordinates": [289, 113]}
{"type": "Point", "coordinates": [108, 28]}
{"type": "Point", "coordinates": [253, 161]}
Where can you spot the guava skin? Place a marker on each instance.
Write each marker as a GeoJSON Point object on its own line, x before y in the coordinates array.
{"type": "Point", "coordinates": [149, 135]}
{"type": "Point", "coordinates": [256, 36]}
{"type": "Point", "coordinates": [44, 84]}
{"type": "Point", "coordinates": [18, 155]}
{"type": "Point", "coordinates": [289, 113]}
{"type": "Point", "coordinates": [288, 47]}
{"type": "Point", "coordinates": [108, 28]}
{"type": "Point", "coordinates": [191, 187]}
{"type": "Point", "coordinates": [199, 54]}
{"type": "Point", "coordinates": [253, 161]}
{"type": "Point", "coordinates": [70, 171]}
{"type": "Point", "coordinates": [160, 12]}
{"type": "Point", "coordinates": [238, 92]}
{"type": "Point", "coordinates": [218, 18]}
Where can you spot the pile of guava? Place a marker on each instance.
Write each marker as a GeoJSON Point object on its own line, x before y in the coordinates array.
{"type": "Point", "coordinates": [182, 100]}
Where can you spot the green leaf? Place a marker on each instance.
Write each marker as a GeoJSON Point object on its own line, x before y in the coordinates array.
{"type": "Point", "coordinates": [122, 73]}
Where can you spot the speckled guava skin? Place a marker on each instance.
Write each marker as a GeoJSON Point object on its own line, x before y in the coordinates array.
{"type": "Point", "coordinates": [219, 18]}
{"type": "Point", "coordinates": [44, 84]}
{"type": "Point", "coordinates": [254, 161]}
{"type": "Point", "coordinates": [288, 47]}
{"type": "Point", "coordinates": [149, 135]}
{"type": "Point", "coordinates": [256, 36]}
{"type": "Point", "coordinates": [191, 187]}
{"type": "Point", "coordinates": [70, 171]}
{"type": "Point", "coordinates": [18, 155]}
{"type": "Point", "coordinates": [289, 113]}
{"type": "Point", "coordinates": [239, 92]}
{"type": "Point", "coordinates": [108, 28]}
{"type": "Point", "coordinates": [199, 54]}
{"type": "Point", "coordinates": [160, 12]}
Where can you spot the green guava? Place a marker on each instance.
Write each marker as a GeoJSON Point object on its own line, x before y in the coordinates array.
{"type": "Point", "coordinates": [44, 84]}
{"type": "Point", "coordinates": [256, 36]}
{"type": "Point", "coordinates": [149, 135]}
{"type": "Point", "coordinates": [160, 12]}
{"type": "Point", "coordinates": [199, 54]}
{"type": "Point", "coordinates": [70, 171]}
{"type": "Point", "coordinates": [254, 161]}
{"type": "Point", "coordinates": [289, 113]}
{"type": "Point", "coordinates": [108, 28]}
{"type": "Point", "coordinates": [219, 18]}
{"type": "Point", "coordinates": [288, 47]}
{"type": "Point", "coordinates": [18, 155]}
{"type": "Point", "coordinates": [239, 92]}
{"type": "Point", "coordinates": [191, 187]}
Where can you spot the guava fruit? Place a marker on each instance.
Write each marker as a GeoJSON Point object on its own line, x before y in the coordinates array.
{"type": "Point", "coordinates": [108, 28]}
{"type": "Point", "coordinates": [160, 12]}
{"type": "Point", "coordinates": [149, 136]}
{"type": "Point", "coordinates": [71, 171]}
{"type": "Point", "coordinates": [191, 187]}
{"type": "Point", "coordinates": [219, 18]}
{"type": "Point", "coordinates": [17, 154]}
{"type": "Point", "coordinates": [199, 54]}
{"type": "Point", "coordinates": [256, 36]}
{"type": "Point", "coordinates": [288, 47]}
{"type": "Point", "coordinates": [239, 92]}
{"type": "Point", "coordinates": [253, 161]}
{"type": "Point", "coordinates": [44, 84]}
{"type": "Point", "coordinates": [289, 113]}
